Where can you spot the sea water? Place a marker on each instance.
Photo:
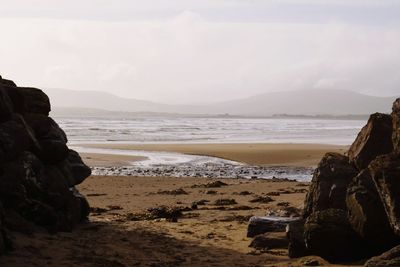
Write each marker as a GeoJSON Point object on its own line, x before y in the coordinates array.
{"type": "Point", "coordinates": [165, 129]}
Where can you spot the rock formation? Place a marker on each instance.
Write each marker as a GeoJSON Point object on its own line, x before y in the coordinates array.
{"type": "Point", "coordinates": [38, 172]}
{"type": "Point", "coordinates": [374, 139]}
{"type": "Point", "coordinates": [352, 210]}
{"type": "Point", "coordinates": [329, 184]}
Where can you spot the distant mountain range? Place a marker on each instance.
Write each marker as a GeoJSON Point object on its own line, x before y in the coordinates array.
{"type": "Point", "coordinates": [307, 102]}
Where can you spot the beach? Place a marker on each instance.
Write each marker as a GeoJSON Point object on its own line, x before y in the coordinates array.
{"type": "Point", "coordinates": [210, 231]}
{"type": "Point", "coordinates": [263, 154]}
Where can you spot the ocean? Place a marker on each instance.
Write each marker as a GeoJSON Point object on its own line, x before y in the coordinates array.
{"type": "Point", "coordinates": [165, 129]}
{"type": "Point", "coordinates": [203, 130]}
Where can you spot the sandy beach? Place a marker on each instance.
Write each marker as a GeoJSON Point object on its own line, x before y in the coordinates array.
{"type": "Point", "coordinates": [299, 155]}
{"type": "Point", "coordinates": [208, 231]}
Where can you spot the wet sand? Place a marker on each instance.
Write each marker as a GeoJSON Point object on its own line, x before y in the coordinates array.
{"type": "Point", "coordinates": [298, 155]}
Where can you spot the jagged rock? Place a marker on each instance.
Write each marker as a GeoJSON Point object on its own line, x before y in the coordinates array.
{"type": "Point", "coordinates": [367, 215]}
{"type": "Point", "coordinates": [390, 258]}
{"type": "Point", "coordinates": [329, 184]}
{"type": "Point", "coordinates": [396, 125]}
{"type": "Point", "coordinates": [385, 172]}
{"type": "Point", "coordinates": [295, 234]}
{"type": "Point", "coordinates": [374, 139]}
{"type": "Point", "coordinates": [328, 234]}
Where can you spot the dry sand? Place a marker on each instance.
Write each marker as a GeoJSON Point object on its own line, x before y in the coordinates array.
{"type": "Point", "coordinates": [298, 155]}
{"type": "Point", "coordinates": [208, 236]}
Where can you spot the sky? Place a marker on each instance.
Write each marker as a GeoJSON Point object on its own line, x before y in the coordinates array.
{"type": "Point", "coordinates": [199, 51]}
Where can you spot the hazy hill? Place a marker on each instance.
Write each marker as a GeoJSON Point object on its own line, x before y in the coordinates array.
{"type": "Point", "coordinates": [308, 102]}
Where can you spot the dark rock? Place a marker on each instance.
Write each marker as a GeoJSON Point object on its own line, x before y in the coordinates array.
{"type": "Point", "coordinates": [390, 258]}
{"type": "Point", "coordinates": [6, 82]}
{"type": "Point", "coordinates": [173, 192]}
{"type": "Point", "coordinates": [374, 139]}
{"type": "Point", "coordinates": [213, 184]}
{"type": "Point", "coordinates": [261, 225]}
{"type": "Point", "coordinates": [37, 170]}
{"type": "Point", "coordinates": [329, 184]}
{"type": "Point", "coordinates": [367, 215]}
{"type": "Point", "coordinates": [52, 151]}
{"type": "Point", "coordinates": [36, 101]}
{"type": "Point", "coordinates": [17, 98]}
{"type": "Point", "coordinates": [15, 137]}
{"type": "Point", "coordinates": [225, 202]}
{"type": "Point", "coordinates": [261, 199]}
{"type": "Point", "coordinates": [79, 170]}
{"type": "Point", "coordinates": [45, 127]}
{"type": "Point", "coordinates": [396, 125]}
{"type": "Point", "coordinates": [328, 234]}
{"type": "Point", "coordinates": [6, 107]}
{"type": "Point", "coordinates": [295, 234]}
{"type": "Point", "coordinates": [385, 172]}
{"type": "Point", "coordinates": [269, 241]}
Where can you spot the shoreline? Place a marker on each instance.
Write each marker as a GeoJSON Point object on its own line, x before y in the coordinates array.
{"type": "Point", "coordinates": [257, 154]}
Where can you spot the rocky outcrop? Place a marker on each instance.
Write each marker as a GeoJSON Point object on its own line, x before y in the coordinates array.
{"type": "Point", "coordinates": [329, 184]}
{"type": "Point", "coordinates": [352, 210]}
{"type": "Point", "coordinates": [374, 139]}
{"type": "Point", "coordinates": [38, 173]}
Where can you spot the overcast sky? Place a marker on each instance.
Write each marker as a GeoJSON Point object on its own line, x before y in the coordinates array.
{"type": "Point", "coordinates": [188, 51]}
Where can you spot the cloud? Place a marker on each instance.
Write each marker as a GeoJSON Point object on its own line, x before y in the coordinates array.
{"type": "Point", "coordinates": [190, 58]}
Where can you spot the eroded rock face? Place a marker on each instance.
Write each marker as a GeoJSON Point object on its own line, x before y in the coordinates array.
{"type": "Point", "coordinates": [375, 139]}
{"type": "Point", "coordinates": [396, 125]}
{"type": "Point", "coordinates": [367, 215]}
{"type": "Point", "coordinates": [329, 184]}
{"type": "Point", "coordinates": [385, 172]}
{"type": "Point", "coordinates": [37, 170]}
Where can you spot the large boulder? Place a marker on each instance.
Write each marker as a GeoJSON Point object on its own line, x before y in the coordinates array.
{"type": "Point", "coordinates": [390, 258]}
{"type": "Point", "coordinates": [328, 234]}
{"type": "Point", "coordinates": [385, 172]}
{"type": "Point", "coordinates": [396, 125]}
{"type": "Point", "coordinates": [374, 139]}
{"type": "Point", "coordinates": [367, 215]}
{"type": "Point", "coordinates": [329, 184]}
{"type": "Point", "coordinates": [38, 172]}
